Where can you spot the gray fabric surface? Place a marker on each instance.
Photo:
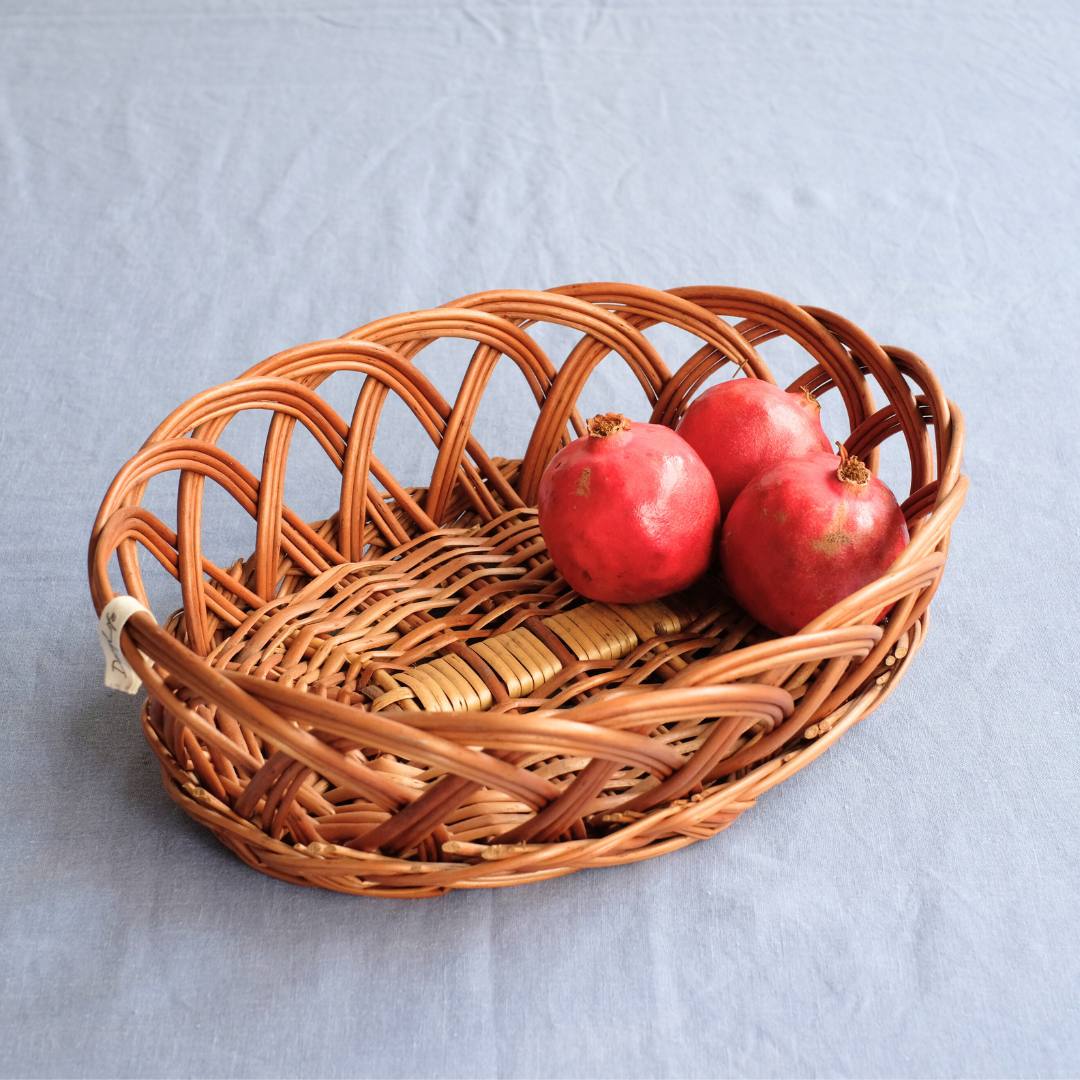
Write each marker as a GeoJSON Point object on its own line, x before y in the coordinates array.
{"type": "Point", "coordinates": [187, 187]}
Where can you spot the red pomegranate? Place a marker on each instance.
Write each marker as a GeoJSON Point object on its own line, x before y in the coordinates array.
{"type": "Point", "coordinates": [629, 512]}
{"type": "Point", "coordinates": [807, 533]}
{"type": "Point", "coordinates": [742, 427]}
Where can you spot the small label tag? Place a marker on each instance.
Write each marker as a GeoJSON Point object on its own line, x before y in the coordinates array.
{"type": "Point", "coordinates": [119, 674]}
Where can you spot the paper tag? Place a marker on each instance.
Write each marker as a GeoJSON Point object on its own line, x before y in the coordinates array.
{"type": "Point", "coordinates": [119, 674]}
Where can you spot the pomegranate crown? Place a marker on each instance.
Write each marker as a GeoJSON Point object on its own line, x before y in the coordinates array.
{"type": "Point", "coordinates": [851, 469]}
{"type": "Point", "coordinates": [604, 425]}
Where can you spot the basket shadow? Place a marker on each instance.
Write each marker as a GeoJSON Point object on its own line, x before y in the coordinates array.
{"type": "Point", "coordinates": [107, 727]}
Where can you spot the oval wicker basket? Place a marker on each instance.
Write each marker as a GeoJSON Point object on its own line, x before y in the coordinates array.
{"type": "Point", "coordinates": [406, 698]}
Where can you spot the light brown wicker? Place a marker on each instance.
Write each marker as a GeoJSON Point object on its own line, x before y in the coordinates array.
{"type": "Point", "coordinates": [405, 698]}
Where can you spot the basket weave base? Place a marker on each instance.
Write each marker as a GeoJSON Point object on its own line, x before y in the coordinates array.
{"type": "Point", "coordinates": [512, 638]}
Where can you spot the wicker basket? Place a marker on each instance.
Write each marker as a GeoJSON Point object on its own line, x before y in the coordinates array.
{"type": "Point", "coordinates": [406, 698]}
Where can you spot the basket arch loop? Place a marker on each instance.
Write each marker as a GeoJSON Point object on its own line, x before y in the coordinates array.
{"type": "Point", "coordinates": [885, 423]}
{"type": "Point", "coordinates": [817, 380]}
{"type": "Point", "coordinates": [290, 399]}
{"type": "Point", "coordinates": [206, 416]}
{"type": "Point", "coordinates": [496, 336]}
{"type": "Point", "coordinates": [415, 330]}
{"type": "Point", "coordinates": [643, 308]}
{"type": "Point", "coordinates": [888, 368]}
{"type": "Point", "coordinates": [526, 306]}
{"type": "Point", "coordinates": [393, 368]}
{"type": "Point", "coordinates": [873, 358]}
{"type": "Point", "coordinates": [781, 316]}
{"type": "Point", "coordinates": [686, 382]}
{"type": "Point", "coordinates": [205, 413]}
{"type": "Point", "coordinates": [941, 410]}
{"type": "Point", "coordinates": [947, 491]}
{"type": "Point", "coordinates": [357, 460]}
{"type": "Point", "coordinates": [199, 461]}
{"type": "Point", "coordinates": [603, 332]}
{"type": "Point", "coordinates": [121, 504]}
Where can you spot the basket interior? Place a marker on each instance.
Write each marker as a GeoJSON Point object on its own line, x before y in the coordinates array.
{"type": "Point", "coordinates": [466, 618]}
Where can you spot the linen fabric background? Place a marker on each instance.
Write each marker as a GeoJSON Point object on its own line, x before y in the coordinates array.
{"type": "Point", "coordinates": [187, 187]}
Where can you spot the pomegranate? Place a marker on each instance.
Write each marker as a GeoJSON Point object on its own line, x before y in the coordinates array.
{"type": "Point", "coordinates": [742, 427]}
{"type": "Point", "coordinates": [807, 533]}
{"type": "Point", "coordinates": [629, 512]}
